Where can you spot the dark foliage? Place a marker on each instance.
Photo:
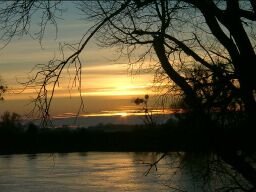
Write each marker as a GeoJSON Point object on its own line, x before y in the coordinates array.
{"type": "Point", "coordinates": [185, 134]}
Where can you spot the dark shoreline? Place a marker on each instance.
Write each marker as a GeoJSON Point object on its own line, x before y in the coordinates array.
{"type": "Point", "coordinates": [139, 139]}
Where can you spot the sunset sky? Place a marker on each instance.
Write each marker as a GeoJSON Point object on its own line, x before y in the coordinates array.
{"type": "Point", "coordinates": [107, 83]}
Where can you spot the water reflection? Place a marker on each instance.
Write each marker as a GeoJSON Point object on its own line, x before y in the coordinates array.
{"type": "Point", "coordinates": [105, 171]}
{"type": "Point", "coordinates": [83, 154]}
{"type": "Point", "coordinates": [31, 156]}
{"type": "Point", "coordinates": [79, 172]}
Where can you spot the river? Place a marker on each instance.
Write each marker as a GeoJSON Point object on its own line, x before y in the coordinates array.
{"type": "Point", "coordinates": [92, 172]}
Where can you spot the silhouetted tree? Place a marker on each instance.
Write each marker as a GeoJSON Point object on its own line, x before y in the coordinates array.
{"type": "Point", "coordinates": [204, 50]}
{"type": "Point", "coordinates": [10, 123]}
{"type": "Point", "coordinates": [3, 89]}
{"type": "Point", "coordinates": [148, 117]}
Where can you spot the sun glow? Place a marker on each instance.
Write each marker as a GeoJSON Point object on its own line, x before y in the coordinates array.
{"type": "Point", "coordinates": [116, 86]}
{"type": "Point", "coordinates": [122, 114]}
{"type": "Point", "coordinates": [107, 114]}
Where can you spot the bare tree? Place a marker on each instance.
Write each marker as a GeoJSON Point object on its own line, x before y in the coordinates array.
{"type": "Point", "coordinates": [205, 50]}
{"type": "Point", "coordinates": [3, 89]}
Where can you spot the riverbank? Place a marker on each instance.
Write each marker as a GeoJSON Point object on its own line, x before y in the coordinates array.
{"type": "Point", "coordinates": [120, 138]}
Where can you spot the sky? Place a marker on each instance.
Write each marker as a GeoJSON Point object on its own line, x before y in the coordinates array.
{"type": "Point", "coordinates": [107, 83]}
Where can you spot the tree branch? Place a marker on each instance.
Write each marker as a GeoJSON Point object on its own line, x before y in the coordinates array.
{"type": "Point", "coordinates": [50, 74]}
{"type": "Point", "coordinates": [158, 45]}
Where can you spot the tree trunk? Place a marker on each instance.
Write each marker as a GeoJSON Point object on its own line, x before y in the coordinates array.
{"type": "Point", "coordinates": [245, 61]}
{"type": "Point", "coordinates": [191, 99]}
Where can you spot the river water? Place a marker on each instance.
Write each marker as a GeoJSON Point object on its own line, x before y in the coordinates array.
{"type": "Point", "coordinates": [92, 171]}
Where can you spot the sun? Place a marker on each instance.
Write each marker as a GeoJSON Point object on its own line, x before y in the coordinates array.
{"type": "Point", "coordinates": [123, 114]}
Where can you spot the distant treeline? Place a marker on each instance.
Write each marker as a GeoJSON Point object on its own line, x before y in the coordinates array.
{"type": "Point", "coordinates": [184, 133]}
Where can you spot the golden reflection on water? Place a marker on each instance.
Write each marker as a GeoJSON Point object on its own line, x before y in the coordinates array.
{"type": "Point", "coordinates": [103, 172]}
{"type": "Point", "coordinates": [94, 171]}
